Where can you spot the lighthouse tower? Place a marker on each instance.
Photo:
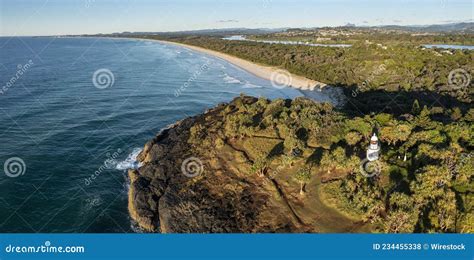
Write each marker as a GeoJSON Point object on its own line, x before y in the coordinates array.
{"type": "Point", "coordinates": [374, 149]}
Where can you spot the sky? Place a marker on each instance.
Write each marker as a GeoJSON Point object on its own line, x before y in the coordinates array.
{"type": "Point", "coordinates": [60, 17]}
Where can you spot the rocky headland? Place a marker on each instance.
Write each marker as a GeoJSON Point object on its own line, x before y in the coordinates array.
{"type": "Point", "coordinates": [255, 165]}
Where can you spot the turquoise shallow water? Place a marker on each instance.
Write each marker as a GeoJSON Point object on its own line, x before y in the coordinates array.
{"type": "Point", "coordinates": [61, 129]}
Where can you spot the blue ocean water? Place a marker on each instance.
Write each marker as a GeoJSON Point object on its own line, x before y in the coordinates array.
{"type": "Point", "coordinates": [75, 111]}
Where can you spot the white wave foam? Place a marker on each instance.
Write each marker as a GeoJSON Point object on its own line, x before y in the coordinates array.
{"type": "Point", "coordinates": [250, 85]}
{"type": "Point", "coordinates": [231, 80]}
{"type": "Point", "coordinates": [131, 161]}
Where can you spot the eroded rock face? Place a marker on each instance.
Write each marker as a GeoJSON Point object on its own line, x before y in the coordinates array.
{"type": "Point", "coordinates": [223, 197]}
{"type": "Point", "coordinates": [256, 165]}
{"type": "Point", "coordinates": [235, 169]}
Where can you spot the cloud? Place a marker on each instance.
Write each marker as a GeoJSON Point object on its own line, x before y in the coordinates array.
{"type": "Point", "coordinates": [228, 21]}
{"type": "Point", "coordinates": [397, 21]}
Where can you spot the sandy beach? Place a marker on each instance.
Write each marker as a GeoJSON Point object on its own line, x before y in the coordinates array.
{"type": "Point", "coordinates": [280, 78]}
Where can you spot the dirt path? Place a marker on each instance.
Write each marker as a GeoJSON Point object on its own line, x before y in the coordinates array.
{"type": "Point", "coordinates": [309, 211]}
{"type": "Point", "coordinates": [329, 219]}
{"type": "Point", "coordinates": [274, 183]}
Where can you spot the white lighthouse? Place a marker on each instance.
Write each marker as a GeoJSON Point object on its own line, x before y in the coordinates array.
{"type": "Point", "coordinates": [374, 149]}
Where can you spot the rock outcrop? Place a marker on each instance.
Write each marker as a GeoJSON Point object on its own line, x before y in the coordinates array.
{"type": "Point", "coordinates": [196, 177]}
{"type": "Point", "coordinates": [256, 165]}
{"type": "Point", "coordinates": [222, 197]}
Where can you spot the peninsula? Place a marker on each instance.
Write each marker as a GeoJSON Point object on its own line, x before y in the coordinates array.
{"type": "Point", "coordinates": [256, 165]}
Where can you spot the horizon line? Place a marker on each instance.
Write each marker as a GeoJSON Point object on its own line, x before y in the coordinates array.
{"type": "Point", "coordinates": [258, 28]}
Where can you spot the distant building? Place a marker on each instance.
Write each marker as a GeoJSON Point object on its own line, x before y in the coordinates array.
{"type": "Point", "coordinates": [374, 149]}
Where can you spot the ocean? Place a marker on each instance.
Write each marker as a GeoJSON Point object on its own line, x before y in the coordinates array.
{"type": "Point", "coordinates": [74, 113]}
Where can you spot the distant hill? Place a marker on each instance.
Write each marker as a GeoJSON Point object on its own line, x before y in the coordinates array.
{"type": "Point", "coordinates": [465, 27]}
{"type": "Point", "coordinates": [452, 27]}
{"type": "Point", "coordinates": [225, 31]}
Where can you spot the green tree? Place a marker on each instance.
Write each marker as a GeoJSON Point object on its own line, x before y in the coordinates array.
{"type": "Point", "coordinates": [456, 114]}
{"type": "Point", "coordinates": [395, 132]}
{"type": "Point", "coordinates": [303, 176]}
{"type": "Point", "coordinates": [260, 166]}
{"type": "Point", "coordinates": [335, 159]}
{"type": "Point", "coordinates": [469, 116]}
{"type": "Point", "coordinates": [415, 108]}
{"type": "Point", "coordinates": [401, 217]}
{"type": "Point", "coordinates": [353, 137]}
{"type": "Point", "coordinates": [444, 213]}
{"type": "Point", "coordinates": [400, 221]}
{"type": "Point", "coordinates": [293, 145]}
{"type": "Point", "coordinates": [423, 119]}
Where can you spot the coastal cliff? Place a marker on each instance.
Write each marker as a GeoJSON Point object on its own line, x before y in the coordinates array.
{"type": "Point", "coordinates": [222, 197]}
{"type": "Point", "coordinates": [256, 165]}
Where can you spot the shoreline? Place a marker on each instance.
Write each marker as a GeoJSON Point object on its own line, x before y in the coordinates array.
{"type": "Point", "coordinates": [279, 78]}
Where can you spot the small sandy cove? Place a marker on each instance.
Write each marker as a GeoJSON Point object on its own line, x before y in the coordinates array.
{"type": "Point", "coordinates": [280, 78]}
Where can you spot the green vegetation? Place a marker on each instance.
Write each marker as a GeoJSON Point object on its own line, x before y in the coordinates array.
{"type": "Point", "coordinates": [303, 176]}
{"type": "Point", "coordinates": [384, 62]}
{"type": "Point", "coordinates": [351, 35]}
{"type": "Point", "coordinates": [260, 166]}
{"type": "Point", "coordinates": [426, 179]}
{"type": "Point", "coordinates": [395, 87]}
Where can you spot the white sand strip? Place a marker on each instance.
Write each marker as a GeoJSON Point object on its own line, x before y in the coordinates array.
{"type": "Point", "coordinates": [278, 77]}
